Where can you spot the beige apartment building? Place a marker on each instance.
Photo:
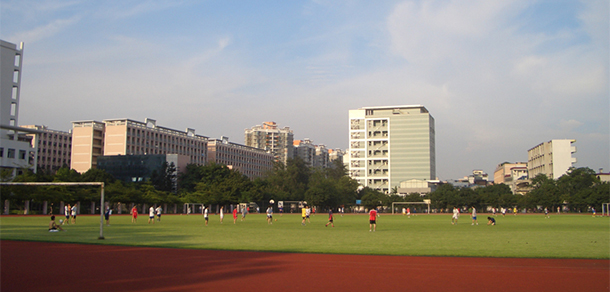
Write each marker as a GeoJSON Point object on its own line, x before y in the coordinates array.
{"type": "Point", "coordinates": [91, 139]}
{"type": "Point", "coordinates": [54, 148]}
{"type": "Point", "coordinates": [390, 145]}
{"type": "Point", "coordinates": [552, 158]}
{"type": "Point", "coordinates": [251, 162]}
{"type": "Point", "coordinates": [506, 170]}
{"type": "Point", "coordinates": [270, 137]}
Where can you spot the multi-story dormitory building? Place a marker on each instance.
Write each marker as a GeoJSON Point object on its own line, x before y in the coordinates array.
{"type": "Point", "coordinates": [250, 161]}
{"type": "Point", "coordinates": [91, 139]}
{"type": "Point", "coordinates": [54, 147]}
{"type": "Point", "coordinates": [16, 153]}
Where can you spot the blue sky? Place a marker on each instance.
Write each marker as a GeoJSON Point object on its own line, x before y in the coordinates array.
{"type": "Point", "coordinates": [499, 77]}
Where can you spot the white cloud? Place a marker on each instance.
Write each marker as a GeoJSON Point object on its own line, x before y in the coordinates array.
{"type": "Point", "coordinates": [45, 31]}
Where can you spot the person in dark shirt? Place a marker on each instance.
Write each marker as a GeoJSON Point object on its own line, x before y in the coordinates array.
{"type": "Point", "coordinates": [491, 221]}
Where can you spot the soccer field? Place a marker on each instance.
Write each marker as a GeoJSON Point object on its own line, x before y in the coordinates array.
{"type": "Point", "coordinates": [561, 236]}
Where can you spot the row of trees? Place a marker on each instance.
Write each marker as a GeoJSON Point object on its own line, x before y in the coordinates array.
{"type": "Point", "coordinates": [331, 187]}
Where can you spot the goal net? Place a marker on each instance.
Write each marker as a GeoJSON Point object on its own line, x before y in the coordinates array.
{"type": "Point", "coordinates": [416, 206]}
{"type": "Point", "coordinates": [100, 184]}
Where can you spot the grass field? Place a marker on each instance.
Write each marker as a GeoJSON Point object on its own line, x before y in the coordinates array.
{"type": "Point", "coordinates": [530, 236]}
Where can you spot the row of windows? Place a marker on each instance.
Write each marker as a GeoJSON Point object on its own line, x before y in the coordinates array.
{"type": "Point", "coordinates": [55, 144]}
{"type": "Point", "coordinates": [10, 153]}
{"type": "Point", "coordinates": [55, 152]}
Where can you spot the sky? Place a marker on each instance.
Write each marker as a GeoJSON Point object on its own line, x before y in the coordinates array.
{"type": "Point", "coordinates": [499, 77]}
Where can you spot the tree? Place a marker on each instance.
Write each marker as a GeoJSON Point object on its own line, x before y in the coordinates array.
{"type": "Point", "coordinates": [164, 179]}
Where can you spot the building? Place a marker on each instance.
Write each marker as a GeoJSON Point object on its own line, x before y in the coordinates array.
{"type": "Point", "coordinates": [137, 168]}
{"type": "Point", "coordinates": [54, 148]}
{"type": "Point", "coordinates": [313, 155]}
{"type": "Point", "coordinates": [334, 154]}
{"type": "Point", "coordinates": [16, 151]}
{"type": "Point", "coordinates": [278, 141]}
{"type": "Point", "coordinates": [390, 145]}
{"type": "Point", "coordinates": [251, 162]}
{"type": "Point", "coordinates": [92, 139]}
{"type": "Point", "coordinates": [505, 170]}
{"type": "Point", "coordinates": [552, 158]}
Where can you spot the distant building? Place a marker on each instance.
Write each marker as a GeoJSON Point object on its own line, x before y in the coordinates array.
{"type": "Point", "coordinates": [278, 141]}
{"type": "Point", "coordinates": [54, 148]}
{"type": "Point", "coordinates": [603, 176]}
{"type": "Point", "coordinates": [506, 170]}
{"type": "Point", "coordinates": [390, 145]}
{"type": "Point", "coordinates": [16, 151]}
{"type": "Point", "coordinates": [92, 139]}
{"type": "Point", "coordinates": [250, 161]}
{"type": "Point", "coordinates": [552, 158]}
{"type": "Point", "coordinates": [334, 154]}
{"type": "Point", "coordinates": [138, 168]}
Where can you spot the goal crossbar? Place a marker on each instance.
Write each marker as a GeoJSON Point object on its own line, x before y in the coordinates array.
{"type": "Point", "coordinates": [411, 203]}
{"type": "Point", "coordinates": [101, 184]}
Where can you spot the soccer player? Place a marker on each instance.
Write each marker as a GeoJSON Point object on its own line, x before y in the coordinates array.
{"type": "Point", "coordinates": [408, 212]}
{"type": "Point", "coordinates": [270, 215]}
{"type": "Point", "coordinates": [151, 215]}
{"type": "Point", "coordinates": [307, 213]}
{"type": "Point", "coordinates": [107, 215]}
{"type": "Point", "coordinates": [234, 215]}
{"type": "Point", "coordinates": [404, 211]}
{"type": "Point", "coordinates": [244, 211]}
{"type": "Point", "coordinates": [74, 214]}
{"type": "Point", "coordinates": [515, 211]}
{"type": "Point", "coordinates": [222, 214]}
{"type": "Point", "coordinates": [503, 211]}
{"type": "Point", "coordinates": [67, 211]}
{"type": "Point", "coordinates": [373, 220]}
{"type": "Point", "coordinates": [158, 211]}
{"type": "Point", "coordinates": [303, 214]}
{"type": "Point", "coordinates": [53, 227]}
{"type": "Point", "coordinates": [474, 216]}
{"type": "Point", "coordinates": [134, 214]}
{"type": "Point", "coordinates": [456, 215]}
{"type": "Point", "coordinates": [330, 218]}
{"type": "Point", "coordinates": [205, 215]}
{"type": "Point", "coordinates": [546, 213]}
{"type": "Point", "coordinates": [491, 221]}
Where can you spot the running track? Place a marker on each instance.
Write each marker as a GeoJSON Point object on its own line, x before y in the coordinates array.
{"type": "Point", "coordinates": [38, 266]}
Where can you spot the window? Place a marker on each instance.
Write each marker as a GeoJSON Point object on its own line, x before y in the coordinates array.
{"type": "Point", "coordinates": [10, 153]}
{"type": "Point", "coordinates": [1, 152]}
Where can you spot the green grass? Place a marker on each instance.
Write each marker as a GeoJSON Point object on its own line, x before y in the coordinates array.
{"type": "Point", "coordinates": [561, 236]}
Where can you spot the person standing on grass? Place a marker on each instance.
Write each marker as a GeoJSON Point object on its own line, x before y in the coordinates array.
{"type": "Point", "coordinates": [307, 213]}
{"type": "Point", "coordinates": [270, 215]}
{"type": "Point", "coordinates": [503, 211]}
{"type": "Point", "coordinates": [158, 210]}
{"type": "Point", "coordinates": [67, 211]}
{"type": "Point", "coordinates": [408, 212]}
{"type": "Point", "coordinates": [515, 211]}
{"type": "Point", "coordinates": [151, 215]}
{"type": "Point", "coordinates": [107, 215]}
{"type": "Point", "coordinates": [330, 218]}
{"type": "Point", "coordinates": [205, 215]}
{"type": "Point", "coordinates": [244, 211]}
{"type": "Point", "coordinates": [222, 214]}
{"type": "Point", "coordinates": [373, 220]}
{"type": "Point", "coordinates": [474, 216]}
{"type": "Point", "coordinates": [134, 214]}
{"type": "Point", "coordinates": [74, 214]}
{"type": "Point", "coordinates": [456, 215]}
{"type": "Point", "coordinates": [304, 214]}
{"type": "Point", "coordinates": [404, 211]}
{"type": "Point", "coordinates": [546, 213]}
{"type": "Point", "coordinates": [234, 215]}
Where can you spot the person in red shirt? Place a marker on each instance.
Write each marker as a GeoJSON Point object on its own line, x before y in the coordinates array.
{"type": "Point", "coordinates": [134, 214]}
{"type": "Point", "coordinates": [330, 218]}
{"type": "Point", "coordinates": [373, 220]}
{"type": "Point", "coordinates": [234, 215]}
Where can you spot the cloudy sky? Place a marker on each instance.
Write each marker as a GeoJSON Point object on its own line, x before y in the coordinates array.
{"type": "Point", "coordinates": [499, 77]}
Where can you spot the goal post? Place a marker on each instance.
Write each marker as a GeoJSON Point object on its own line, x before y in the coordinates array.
{"type": "Point", "coordinates": [101, 184]}
{"type": "Point", "coordinates": [605, 209]}
{"type": "Point", "coordinates": [425, 202]}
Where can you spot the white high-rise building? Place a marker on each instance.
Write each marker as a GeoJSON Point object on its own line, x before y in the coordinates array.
{"type": "Point", "coordinates": [552, 158]}
{"type": "Point", "coordinates": [270, 137]}
{"type": "Point", "coordinates": [16, 152]}
{"type": "Point", "coordinates": [390, 145]}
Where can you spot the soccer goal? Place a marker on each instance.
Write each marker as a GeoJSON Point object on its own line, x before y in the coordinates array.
{"type": "Point", "coordinates": [605, 209]}
{"type": "Point", "coordinates": [101, 184]}
{"type": "Point", "coordinates": [425, 202]}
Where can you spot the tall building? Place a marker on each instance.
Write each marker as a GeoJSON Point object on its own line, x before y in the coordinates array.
{"type": "Point", "coordinates": [270, 138]}
{"type": "Point", "coordinates": [306, 150]}
{"type": "Point", "coordinates": [249, 161]}
{"type": "Point", "coordinates": [391, 144]}
{"type": "Point", "coordinates": [91, 139]}
{"type": "Point", "coordinates": [552, 158]}
{"type": "Point", "coordinates": [16, 152]}
{"type": "Point", "coordinates": [54, 148]}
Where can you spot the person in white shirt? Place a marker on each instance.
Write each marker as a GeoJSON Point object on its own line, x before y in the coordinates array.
{"type": "Point", "coordinates": [205, 215]}
{"type": "Point", "coordinates": [158, 211]}
{"type": "Point", "coordinates": [151, 215]}
{"type": "Point", "coordinates": [74, 214]}
{"type": "Point", "coordinates": [456, 215]}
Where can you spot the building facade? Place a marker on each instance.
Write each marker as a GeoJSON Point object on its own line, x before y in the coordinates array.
{"type": "Point", "coordinates": [552, 158]}
{"type": "Point", "coordinates": [251, 162]}
{"type": "Point", "coordinates": [504, 171]}
{"type": "Point", "coordinates": [391, 144]}
{"type": "Point", "coordinates": [138, 168]}
{"type": "Point", "coordinates": [16, 151]}
{"type": "Point", "coordinates": [54, 148]}
{"type": "Point", "coordinates": [269, 137]}
{"type": "Point", "coordinates": [91, 139]}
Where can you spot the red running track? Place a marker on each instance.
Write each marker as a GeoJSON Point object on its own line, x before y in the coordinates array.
{"type": "Point", "coordinates": [38, 266]}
